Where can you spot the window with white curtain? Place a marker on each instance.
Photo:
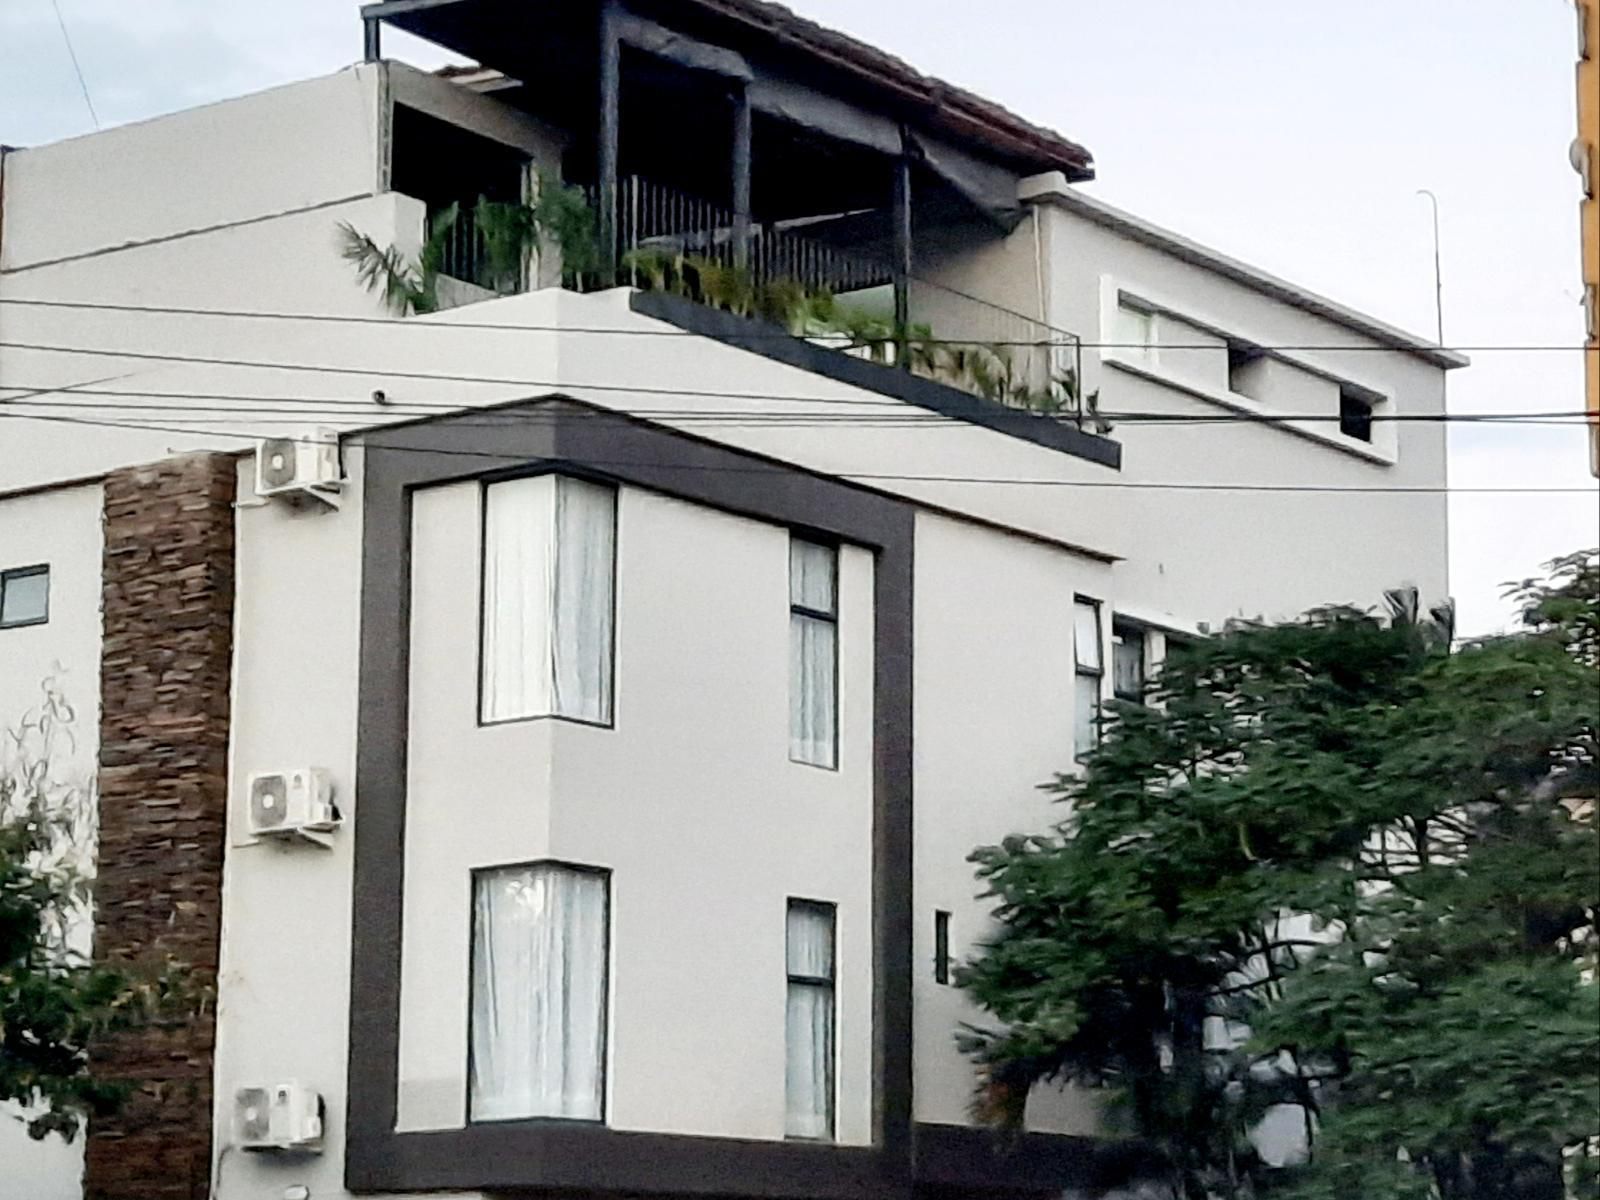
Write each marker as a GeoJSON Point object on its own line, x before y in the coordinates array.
{"type": "Point", "coordinates": [539, 946]}
{"type": "Point", "coordinates": [813, 653]}
{"type": "Point", "coordinates": [1089, 668]}
{"type": "Point", "coordinates": [549, 586]}
{"type": "Point", "coordinates": [808, 1037]}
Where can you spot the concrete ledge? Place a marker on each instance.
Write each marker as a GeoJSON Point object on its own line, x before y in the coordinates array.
{"type": "Point", "coordinates": [758, 338]}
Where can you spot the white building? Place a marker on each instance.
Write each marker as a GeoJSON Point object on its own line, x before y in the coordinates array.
{"type": "Point", "coordinates": [664, 667]}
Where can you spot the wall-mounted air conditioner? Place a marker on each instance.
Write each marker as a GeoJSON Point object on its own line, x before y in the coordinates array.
{"type": "Point", "coordinates": [300, 468]}
{"type": "Point", "coordinates": [284, 1116]}
{"type": "Point", "coordinates": [297, 803]}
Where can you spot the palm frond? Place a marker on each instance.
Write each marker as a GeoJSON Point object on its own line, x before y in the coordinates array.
{"type": "Point", "coordinates": [381, 269]}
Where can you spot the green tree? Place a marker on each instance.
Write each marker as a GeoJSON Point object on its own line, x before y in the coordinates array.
{"type": "Point", "coordinates": [1332, 865]}
{"type": "Point", "coordinates": [53, 1000]}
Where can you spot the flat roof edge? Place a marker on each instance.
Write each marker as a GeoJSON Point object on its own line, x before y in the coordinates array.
{"type": "Point", "coordinates": [1051, 188]}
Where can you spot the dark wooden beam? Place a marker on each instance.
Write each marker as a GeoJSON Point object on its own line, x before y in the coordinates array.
{"type": "Point", "coordinates": [371, 39]}
{"type": "Point", "coordinates": [902, 257]}
{"type": "Point", "coordinates": [610, 132]}
{"type": "Point", "coordinates": [741, 175]}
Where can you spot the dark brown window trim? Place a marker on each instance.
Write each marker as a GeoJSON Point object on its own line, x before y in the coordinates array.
{"type": "Point", "coordinates": [579, 1156]}
{"type": "Point", "coordinates": [830, 981]}
{"type": "Point", "coordinates": [832, 618]}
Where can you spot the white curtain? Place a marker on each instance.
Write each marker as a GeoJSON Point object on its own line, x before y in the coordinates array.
{"type": "Point", "coordinates": [586, 522]}
{"type": "Point", "coordinates": [548, 599]}
{"type": "Point", "coordinates": [1086, 635]}
{"type": "Point", "coordinates": [809, 1054]}
{"type": "Point", "coordinates": [518, 569]}
{"type": "Point", "coordinates": [813, 653]}
{"type": "Point", "coordinates": [538, 993]}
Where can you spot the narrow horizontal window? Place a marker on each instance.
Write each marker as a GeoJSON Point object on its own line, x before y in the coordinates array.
{"type": "Point", "coordinates": [24, 596]}
{"type": "Point", "coordinates": [539, 948]}
{"type": "Point", "coordinates": [809, 1024]}
{"type": "Point", "coordinates": [549, 584]}
{"type": "Point", "coordinates": [813, 653]}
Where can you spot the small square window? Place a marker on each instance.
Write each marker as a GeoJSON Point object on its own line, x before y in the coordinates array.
{"type": "Point", "coordinates": [24, 596]}
{"type": "Point", "coordinates": [1355, 415]}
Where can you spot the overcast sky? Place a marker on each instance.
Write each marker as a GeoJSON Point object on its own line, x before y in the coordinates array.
{"type": "Point", "coordinates": [1290, 134]}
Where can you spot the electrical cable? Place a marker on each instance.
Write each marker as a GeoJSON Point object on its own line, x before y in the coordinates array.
{"type": "Point", "coordinates": [1114, 484]}
{"type": "Point", "coordinates": [756, 331]}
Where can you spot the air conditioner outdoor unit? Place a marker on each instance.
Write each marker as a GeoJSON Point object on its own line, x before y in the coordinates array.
{"type": "Point", "coordinates": [290, 803]}
{"type": "Point", "coordinates": [284, 1116]}
{"type": "Point", "coordinates": [301, 467]}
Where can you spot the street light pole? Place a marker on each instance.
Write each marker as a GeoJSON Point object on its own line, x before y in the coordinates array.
{"type": "Point", "coordinates": [1438, 277]}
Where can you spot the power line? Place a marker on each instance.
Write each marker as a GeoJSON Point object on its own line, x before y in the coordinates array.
{"type": "Point", "coordinates": [77, 70]}
{"type": "Point", "coordinates": [288, 407]}
{"type": "Point", "coordinates": [857, 476]}
{"type": "Point", "coordinates": [755, 333]}
{"type": "Point", "coordinates": [646, 389]}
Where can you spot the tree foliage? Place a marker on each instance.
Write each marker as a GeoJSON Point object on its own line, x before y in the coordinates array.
{"type": "Point", "coordinates": [1331, 865]}
{"type": "Point", "coordinates": [53, 1000]}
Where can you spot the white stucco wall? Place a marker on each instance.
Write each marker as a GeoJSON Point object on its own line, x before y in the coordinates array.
{"type": "Point", "coordinates": [690, 801]}
{"type": "Point", "coordinates": [993, 662]}
{"type": "Point", "coordinates": [284, 972]}
{"type": "Point", "coordinates": [61, 528]}
{"type": "Point", "coordinates": [287, 149]}
{"type": "Point", "coordinates": [1207, 553]}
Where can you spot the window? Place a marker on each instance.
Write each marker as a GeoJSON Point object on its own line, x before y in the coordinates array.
{"type": "Point", "coordinates": [1127, 662]}
{"type": "Point", "coordinates": [941, 947]}
{"type": "Point", "coordinates": [1355, 415]}
{"type": "Point", "coordinates": [1090, 668]}
{"type": "Point", "coordinates": [538, 1043]}
{"type": "Point", "coordinates": [1135, 333]}
{"type": "Point", "coordinates": [813, 653]}
{"type": "Point", "coordinates": [1245, 362]}
{"type": "Point", "coordinates": [808, 1036]}
{"type": "Point", "coordinates": [549, 583]}
{"type": "Point", "coordinates": [24, 596]}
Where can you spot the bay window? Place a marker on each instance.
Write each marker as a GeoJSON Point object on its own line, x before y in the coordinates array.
{"type": "Point", "coordinates": [538, 1019]}
{"type": "Point", "coordinates": [549, 584]}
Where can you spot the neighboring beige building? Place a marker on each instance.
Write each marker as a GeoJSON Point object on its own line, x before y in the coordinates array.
{"type": "Point", "coordinates": [663, 668]}
{"type": "Point", "coordinates": [1586, 161]}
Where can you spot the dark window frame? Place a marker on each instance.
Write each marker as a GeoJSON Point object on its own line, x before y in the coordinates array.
{"type": "Point", "coordinates": [27, 572]}
{"type": "Point", "coordinates": [559, 473]}
{"type": "Point", "coordinates": [831, 984]}
{"type": "Point", "coordinates": [605, 873]}
{"type": "Point", "coordinates": [1080, 671]}
{"type": "Point", "coordinates": [831, 618]}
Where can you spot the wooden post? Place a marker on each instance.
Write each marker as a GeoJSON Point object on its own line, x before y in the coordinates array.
{"type": "Point", "coordinates": [371, 40]}
{"type": "Point", "coordinates": [610, 100]}
{"type": "Point", "coordinates": [902, 259]}
{"type": "Point", "coordinates": [741, 175]}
